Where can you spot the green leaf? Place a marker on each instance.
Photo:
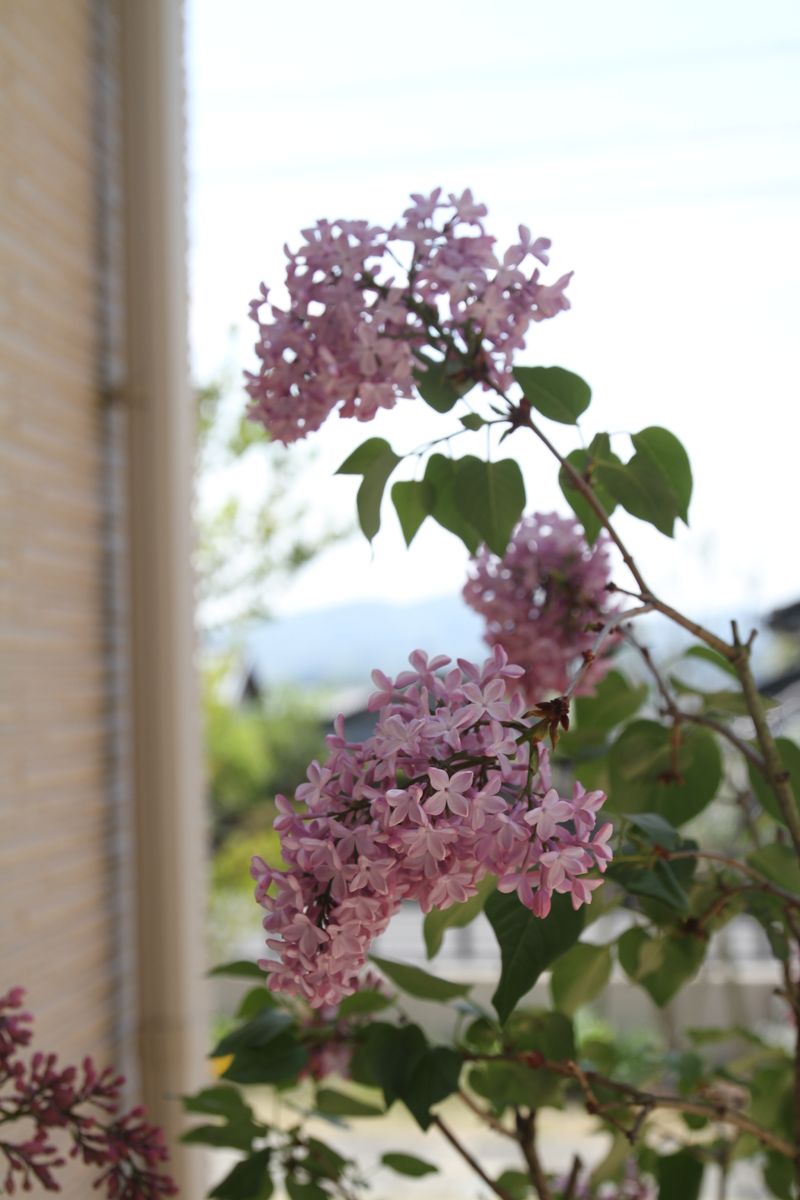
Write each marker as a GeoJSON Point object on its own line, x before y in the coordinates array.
{"type": "Point", "coordinates": [709, 655]}
{"type": "Point", "coordinates": [413, 500]}
{"type": "Point", "coordinates": [726, 702]}
{"type": "Point", "coordinates": [455, 917]}
{"type": "Point", "coordinates": [491, 496]}
{"type": "Point", "coordinates": [507, 1084]}
{"type": "Point", "coordinates": [368, 1001]}
{"type": "Point", "coordinates": [585, 463]}
{"type": "Point", "coordinates": [658, 881]}
{"type": "Point", "coordinates": [641, 776]}
{"type": "Point", "coordinates": [254, 1001]}
{"type": "Point", "coordinates": [249, 1180]}
{"type": "Point", "coordinates": [472, 421]}
{"type": "Point", "coordinates": [240, 969]}
{"type": "Point", "coordinates": [660, 965]}
{"type": "Point", "coordinates": [658, 831]}
{"type": "Point", "coordinates": [778, 863]}
{"type": "Point", "coordinates": [439, 385]}
{"type": "Point", "coordinates": [666, 459]}
{"type": "Point", "coordinates": [528, 944]}
{"type": "Point", "coordinates": [263, 1028]}
{"type": "Point", "coordinates": [232, 1137]}
{"type": "Point", "coordinates": [434, 1078]}
{"type": "Point", "coordinates": [790, 757]}
{"type": "Point", "coordinates": [337, 1104]}
{"type": "Point", "coordinates": [615, 700]}
{"type": "Point", "coordinates": [557, 394]}
{"type": "Point", "coordinates": [538, 1029]}
{"type": "Point", "coordinates": [779, 1175]}
{"type": "Point", "coordinates": [388, 1056]}
{"type": "Point", "coordinates": [407, 1164]}
{"type": "Point", "coordinates": [515, 1183]}
{"type": "Point", "coordinates": [419, 983]}
{"type": "Point", "coordinates": [374, 460]}
{"type": "Point", "coordinates": [297, 1190]}
{"type": "Point", "coordinates": [279, 1061]}
{"type": "Point", "coordinates": [220, 1101]}
{"type": "Point", "coordinates": [441, 473]}
{"type": "Point", "coordinates": [656, 484]}
{"type": "Point", "coordinates": [579, 976]}
{"type": "Point", "coordinates": [680, 1176]}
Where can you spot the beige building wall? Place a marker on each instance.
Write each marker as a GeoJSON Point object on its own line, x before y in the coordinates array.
{"type": "Point", "coordinates": [62, 746]}
{"type": "Point", "coordinates": [98, 742]}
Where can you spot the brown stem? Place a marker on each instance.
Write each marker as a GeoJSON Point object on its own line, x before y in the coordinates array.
{"type": "Point", "coordinates": [635, 1098]}
{"type": "Point", "coordinates": [526, 1136]}
{"type": "Point", "coordinates": [447, 1132]}
{"type": "Point", "coordinates": [645, 595]}
{"type": "Point", "coordinates": [679, 715]}
{"type": "Point", "coordinates": [572, 1179]}
{"type": "Point", "coordinates": [774, 770]}
{"type": "Point", "coordinates": [485, 1116]}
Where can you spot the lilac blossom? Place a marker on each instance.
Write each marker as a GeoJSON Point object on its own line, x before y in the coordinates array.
{"type": "Point", "coordinates": [363, 301]}
{"type": "Point", "coordinates": [451, 787]}
{"type": "Point", "coordinates": [543, 601]}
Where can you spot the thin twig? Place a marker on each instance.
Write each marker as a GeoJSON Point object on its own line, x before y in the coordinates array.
{"type": "Point", "coordinates": [447, 1132]}
{"type": "Point", "coordinates": [776, 774]}
{"type": "Point", "coordinates": [526, 1136]}
{"type": "Point", "coordinates": [611, 624]}
{"type": "Point", "coordinates": [484, 1115]}
{"type": "Point", "coordinates": [635, 1098]}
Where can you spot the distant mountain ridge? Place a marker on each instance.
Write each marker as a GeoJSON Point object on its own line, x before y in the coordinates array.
{"type": "Point", "coordinates": [340, 646]}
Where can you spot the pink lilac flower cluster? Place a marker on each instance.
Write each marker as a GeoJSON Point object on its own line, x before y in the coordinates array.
{"type": "Point", "coordinates": [364, 300]}
{"type": "Point", "coordinates": [543, 602]}
{"type": "Point", "coordinates": [83, 1103]}
{"type": "Point", "coordinates": [448, 789]}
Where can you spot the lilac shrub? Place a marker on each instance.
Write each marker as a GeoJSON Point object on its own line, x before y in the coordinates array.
{"type": "Point", "coordinates": [82, 1103]}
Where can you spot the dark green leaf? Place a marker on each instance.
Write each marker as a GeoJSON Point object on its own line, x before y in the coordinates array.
{"type": "Point", "coordinates": [281, 1060]}
{"type": "Point", "coordinates": [368, 1001]}
{"type": "Point", "coordinates": [585, 463]}
{"type": "Point", "coordinates": [413, 500]}
{"type": "Point", "coordinates": [220, 1101]}
{"type": "Point", "coordinates": [387, 1057]}
{"type": "Point", "coordinates": [440, 473]}
{"type": "Point", "coordinates": [507, 1084]}
{"type": "Point", "coordinates": [790, 757]}
{"type": "Point", "coordinates": [254, 1001]}
{"type": "Point", "coordinates": [323, 1160]}
{"type": "Point", "coordinates": [249, 1180]}
{"type": "Point", "coordinates": [515, 1183]}
{"type": "Point", "coordinates": [779, 1175]}
{"type": "Point", "coordinates": [374, 460]}
{"type": "Point", "coordinates": [660, 965]}
{"type": "Point", "coordinates": [680, 1176]}
{"type": "Point", "coordinates": [642, 778]}
{"type": "Point", "coordinates": [234, 1137]}
{"type": "Point", "coordinates": [657, 882]}
{"type": "Point", "coordinates": [263, 1028]}
{"type": "Point", "coordinates": [491, 496]}
{"type": "Point", "coordinates": [407, 1164]}
{"type": "Point", "coordinates": [657, 830]}
{"type": "Point", "coordinates": [455, 917]}
{"type": "Point", "coordinates": [419, 983]}
{"type": "Point", "coordinates": [656, 484]}
{"type": "Point", "coordinates": [528, 944]}
{"type": "Point", "coordinates": [434, 1078]}
{"type": "Point", "coordinates": [615, 700]}
{"type": "Point", "coordinates": [580, 975]}
{"type": "Point", "coordinates": [666, 459]}
{"type": "Point", "coordinates": [240, 969]}
{"type": "Point", "coordinates": [472, 421]}
{"type": "Point", "coordinates": [337, 1104]}
{"type": "Point", "coordinates": [557, 394]}
{"type": "Point", "coordinates": [439, 385]}
{"type": "Point", "coordinates": [297, 1190]}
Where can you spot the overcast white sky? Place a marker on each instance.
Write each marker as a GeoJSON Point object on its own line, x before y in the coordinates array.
{"type": "Point", "coordinates": [657, 144]}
